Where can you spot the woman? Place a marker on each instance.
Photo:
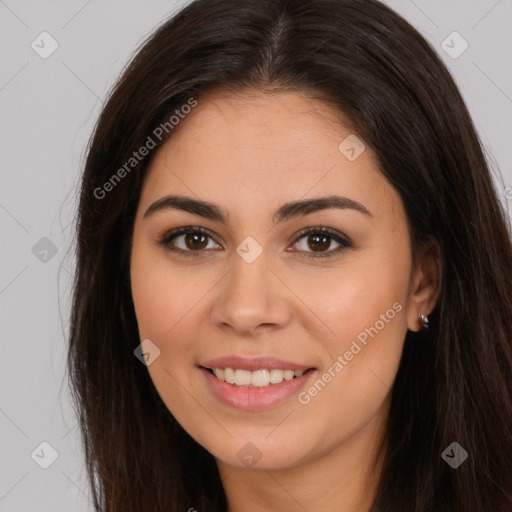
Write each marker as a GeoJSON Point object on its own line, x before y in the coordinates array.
{"type": "Point", "coordinates": [293, 273]}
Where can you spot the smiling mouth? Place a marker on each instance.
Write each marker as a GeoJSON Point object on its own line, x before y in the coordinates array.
{"type": "Point", "coordinates": [256, 379]}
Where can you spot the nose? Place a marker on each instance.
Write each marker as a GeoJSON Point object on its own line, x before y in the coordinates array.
{"type": "Point", "coordinates": [251, 298]}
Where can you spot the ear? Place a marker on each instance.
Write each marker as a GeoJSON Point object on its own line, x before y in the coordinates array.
{"type": "Point", "coordinates": [425, 284]}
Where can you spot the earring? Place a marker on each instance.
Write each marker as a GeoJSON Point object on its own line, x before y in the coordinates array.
{"type": "Point", "coordinates": [424, 320]}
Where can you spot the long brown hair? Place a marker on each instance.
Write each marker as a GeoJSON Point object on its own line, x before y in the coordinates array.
{"type": "Point", "coordinates": [454, 382]}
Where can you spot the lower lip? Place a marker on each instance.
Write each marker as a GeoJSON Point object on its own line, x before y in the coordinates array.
{"type": "Point", "coordinates": [255, 399]}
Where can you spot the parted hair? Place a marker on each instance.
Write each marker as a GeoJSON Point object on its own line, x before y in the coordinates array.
{"type": "Point", "coordinates": [454, 382]}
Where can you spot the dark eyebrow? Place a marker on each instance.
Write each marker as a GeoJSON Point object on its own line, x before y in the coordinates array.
{"type": "Point", "coordinates": [285, 212]}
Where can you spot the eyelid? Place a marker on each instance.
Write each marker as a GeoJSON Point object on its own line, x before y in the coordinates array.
{"type": "Point", "coordinates": [343, 240]}
{"type": "Point", "coordinates": [170, 235]}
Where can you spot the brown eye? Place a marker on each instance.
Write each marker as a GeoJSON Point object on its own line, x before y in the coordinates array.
{"type": "Point", "coordinates": [192, 241]}
{"type": "Point", "coordinates": [318, 240]}
{"type": "Point", "coordinates": [195, 240]}
{"type": "Point", "coordinates": [188, 241]}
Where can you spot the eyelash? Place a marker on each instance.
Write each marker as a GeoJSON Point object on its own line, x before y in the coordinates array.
{"type": "Point", "coordinates": [344, 242]}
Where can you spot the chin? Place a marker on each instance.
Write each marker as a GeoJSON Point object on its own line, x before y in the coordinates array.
{"type": "Point", "coordinates": [259, 454]}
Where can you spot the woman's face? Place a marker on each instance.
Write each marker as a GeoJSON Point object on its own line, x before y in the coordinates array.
{"type": "Point", "coordinates": [250, 289]}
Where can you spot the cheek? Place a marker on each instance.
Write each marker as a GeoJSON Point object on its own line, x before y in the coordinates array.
{"type": "Point", "coordinates": [157, 297]}
{"type": "Point", "coordinates": [369, 323]}
{"type": "Point", "coordinates": [352, 299]}
{"type": "Point", "coordinates": [364, 309]}
{"type": "Point", "coordinates": [169, 302]}
{"type": "Point", "coordinates": [163, 304]}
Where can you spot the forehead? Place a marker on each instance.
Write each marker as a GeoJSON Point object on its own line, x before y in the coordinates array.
{"type": "Point", "coordinates": [275, 122]}
{"type": "Point", "coordinates": [267, 146]}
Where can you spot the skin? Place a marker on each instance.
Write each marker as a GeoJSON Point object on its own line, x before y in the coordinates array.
{"type": "Point", "coordinates": [249, 154]}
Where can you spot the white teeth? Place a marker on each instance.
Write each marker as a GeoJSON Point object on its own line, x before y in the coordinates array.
{"type": "Point", "coordinates": [276, 376]}
{"type": "Point", "coordinates": [258, 378]}
{"type": "Point", "coordinates": [288, 374]}
{"type": "Point", "coordinates": [242, 377]}
{"type": "Point", "coordinates": [229, 375]}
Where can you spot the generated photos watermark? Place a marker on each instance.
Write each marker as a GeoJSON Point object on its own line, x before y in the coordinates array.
{"type": "Point", "coordinates": [305, 397]}
{"type": "Point", "coordinates": [144, 150]}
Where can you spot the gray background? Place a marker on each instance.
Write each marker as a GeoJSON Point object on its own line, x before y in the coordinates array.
{"type": "Point", "coordinates": [48, 108]}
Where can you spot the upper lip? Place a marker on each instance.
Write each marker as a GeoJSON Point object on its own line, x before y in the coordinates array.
{"type": "Point", "coordinates": [253, 364]}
